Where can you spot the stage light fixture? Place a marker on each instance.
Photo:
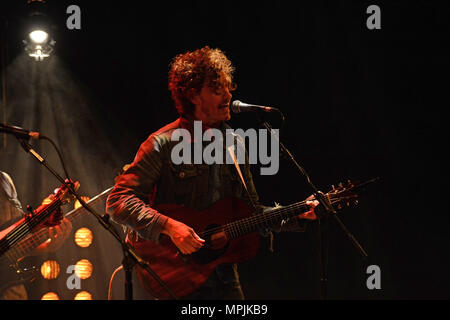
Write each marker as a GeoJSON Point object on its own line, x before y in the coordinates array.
{"type": "Point", "coordinates": [83, 295]}
{"type": "Point", "coordinates": [39, 46]}
{"type": "Point", "coordinates": [83, 269]}
{"type": "Point", "coordinates": [38, 42]}
{"type": "Point", "coordinates": [38, 36]}
{"type": "Point", "coordinates": [50, 269]}
{"type": "Point", "coordinates": [50, 296]}
{"type": "Point", "coordinates": [83, 237]}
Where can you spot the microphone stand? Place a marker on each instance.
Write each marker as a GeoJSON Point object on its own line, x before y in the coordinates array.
{"type": "Point", "coordinates": [327, 209]}
{"type": "Point", "coordinates": [131, 258]}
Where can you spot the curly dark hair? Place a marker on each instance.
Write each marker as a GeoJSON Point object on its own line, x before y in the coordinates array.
{"type": "Point", "coordinates": [192, 70]}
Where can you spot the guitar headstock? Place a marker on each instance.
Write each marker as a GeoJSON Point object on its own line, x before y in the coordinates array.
{"type": "Point", "coordinates": [343, 195]}
{"type": "Point", "coordinates": [346, 194]}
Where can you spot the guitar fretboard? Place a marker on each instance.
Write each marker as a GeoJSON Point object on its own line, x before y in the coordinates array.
{"type": "Point", "coordinates": [27, 225]}
{"type": "Point", "coordinates": [248, 225]}
{"type": "Point", "coordinates": [17, 251]}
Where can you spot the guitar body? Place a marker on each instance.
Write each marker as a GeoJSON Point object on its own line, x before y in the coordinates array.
{"type": "Point", "coordinates": [230, 230]}
{"type": "Point", "coordinates": [184, 274]}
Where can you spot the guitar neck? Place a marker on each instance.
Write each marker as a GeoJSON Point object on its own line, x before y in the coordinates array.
{"type": "Point", "coordinates": [271, 217]}
{"type": "Point", "coordinates": [26, 226]}
{"type": "Point", "coordinates": [27, 245]}
{"type": "Point", "coordinates": [24, 247]}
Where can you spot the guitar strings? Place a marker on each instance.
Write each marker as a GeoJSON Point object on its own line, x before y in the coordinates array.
{"type": "Point", "coordinates": [16, 235]}
{"type": "Point", "coordinates": [20, 249]}
{"type": "Point", "coordinates": [33, 241]}
{"type": "Point", "coordinates": [235, 227]}
{"type": "Point", "coordinates": [40, 236]}
{"type": "Point", "coordinates": [242, 226]}
{"type": "Point", "coordinates": [263, 217]}
{"type": "Point", "coordinates": [20, 232]}
{"type": "Point", "coordinates": [23, 247]}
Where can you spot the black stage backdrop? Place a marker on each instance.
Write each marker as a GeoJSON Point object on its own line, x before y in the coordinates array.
{"type": "Point", "coordinates": [358, 103]}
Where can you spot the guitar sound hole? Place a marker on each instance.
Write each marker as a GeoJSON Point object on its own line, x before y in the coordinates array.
{"type": "Point", "coordinates": [216, 243]}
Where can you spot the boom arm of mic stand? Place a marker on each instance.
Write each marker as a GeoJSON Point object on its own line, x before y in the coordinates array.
{"type": "Point", "coordinates": [318, 195]}
{"type": "Point", "coordinates": [104, 221]}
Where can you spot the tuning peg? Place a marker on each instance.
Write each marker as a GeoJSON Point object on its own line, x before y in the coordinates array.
{"type": "Point", "coordinates": [356, 201]}
{"type": "Point", "coordinates": [332, 187]}
{"type": "Point", "coordinates": [29, 215]}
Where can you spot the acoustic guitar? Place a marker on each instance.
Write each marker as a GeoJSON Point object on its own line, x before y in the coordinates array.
{"type": "Point", "coordinates": [230, 229]}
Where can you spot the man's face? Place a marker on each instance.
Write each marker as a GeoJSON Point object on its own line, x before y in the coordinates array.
{"type": "Point", "coordinates": [212, 104]}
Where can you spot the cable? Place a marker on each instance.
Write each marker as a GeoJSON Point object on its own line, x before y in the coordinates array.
{"type": "Point", "coordinates": [59, 155]}
{"type": "Point", "coordinates": [111, 280]}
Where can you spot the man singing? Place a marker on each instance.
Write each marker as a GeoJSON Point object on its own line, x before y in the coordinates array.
{"type": "Point", "coordinates": [201, 83]}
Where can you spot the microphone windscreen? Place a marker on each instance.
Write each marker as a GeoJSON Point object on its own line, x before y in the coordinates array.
{"type": "Point", "coordinates": [235, 106]}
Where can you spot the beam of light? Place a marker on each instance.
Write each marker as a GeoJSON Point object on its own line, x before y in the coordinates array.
{"type": "Point", "coordinates": [46, 97]}
{"type": "Point", "coordinates": [38, 36]}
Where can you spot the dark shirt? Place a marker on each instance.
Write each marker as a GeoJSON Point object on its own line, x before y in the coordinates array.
{"type": "Point", "coordinates": [153, 179]}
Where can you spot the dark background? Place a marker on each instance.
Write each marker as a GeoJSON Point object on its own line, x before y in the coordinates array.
{"type": "Point", "coordinates": [358, 104]}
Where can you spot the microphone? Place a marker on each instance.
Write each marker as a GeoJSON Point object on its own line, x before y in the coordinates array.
{"type": "Point", "coordinates": [238, 106]}
{"type": "Point", "coordinates": [19, 132]}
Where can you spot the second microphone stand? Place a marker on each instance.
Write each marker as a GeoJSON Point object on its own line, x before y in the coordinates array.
{"type": "Point", "coordinates": [327, 209]}
{"type": "Point", "coordinates": [131, 258]}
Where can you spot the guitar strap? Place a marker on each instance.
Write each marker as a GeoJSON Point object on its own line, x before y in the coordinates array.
{"type": "Point", "coordinates": [238, 169]}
